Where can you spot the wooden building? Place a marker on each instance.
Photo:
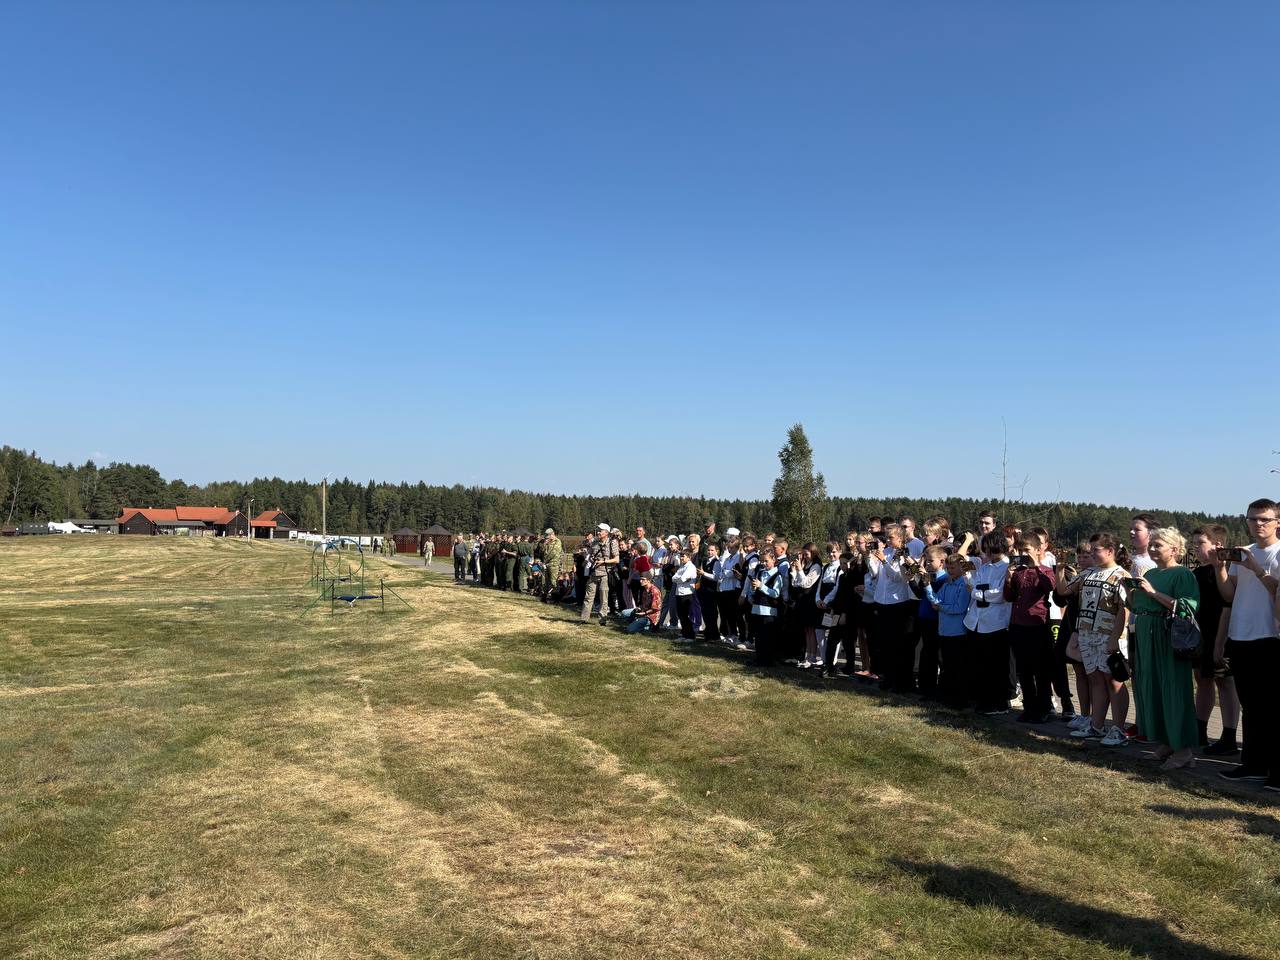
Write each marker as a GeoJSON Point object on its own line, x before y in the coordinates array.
{"type": "Point", "coordinates": [200, 521]}
{"type": "Point", "coordinates": [273, 525]}
{"type": "Point", "coordinates": [441, 540]}
{"type": "Point", "coordinates": [406, 540]}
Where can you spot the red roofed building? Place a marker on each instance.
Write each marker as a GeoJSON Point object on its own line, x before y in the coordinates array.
{"type": "Point", "coordinates": [202, 521]}
{"type": "Point", "coordinates": [272, 525]}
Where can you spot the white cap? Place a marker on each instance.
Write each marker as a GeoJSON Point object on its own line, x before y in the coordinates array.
{"type": "Point", "coordinates": [548, 530]}
{"type": "Point", "coordinates": [732, 532]}
{"type": "Point", "coordinates": [603, 526]}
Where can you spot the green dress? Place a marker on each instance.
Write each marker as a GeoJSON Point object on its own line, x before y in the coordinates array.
{"type": "Point", "coordinates": [1162, 684]}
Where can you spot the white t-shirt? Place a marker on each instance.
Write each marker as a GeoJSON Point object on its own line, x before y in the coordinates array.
{"type": "Point", "coordinates": [1140, 564]}
{"type": "Point", "coordinates": [1253, 607]}
{"type": "Point", "coordinates": [1102, 597]}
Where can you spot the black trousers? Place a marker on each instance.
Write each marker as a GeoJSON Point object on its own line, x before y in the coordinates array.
{"type": "Point", "coordinates": [930, 650]}
{"type": "Point", "coordinates": [1033, 652]}
{"type": "Point", "coordinates": [708, 600]}
{"type": "Point", "coordinates": [615, 590]}
{"type": "Point", "coordinates": [732, 622]}
{"type": "Point", "coordinates": [989, 663]}
{"type": "Point", "coordinates": [459, 568]}
{"type": "Point", "coordinates": [835, 636]}
{"type": "Point", "coordinates": [871, 622]}
{"type": "Point", "coordinates": [764, 630]}
{"type": "Point", "coordinates": [953, 683]}
{"type": "Point", "coordinates": [1254, 664]}
{"type": "Point", "coordinates": [684, 610]}
{"type": "Point", "coordinates": [898, 642]}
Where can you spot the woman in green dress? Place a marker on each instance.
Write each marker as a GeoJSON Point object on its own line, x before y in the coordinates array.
{"type": "Point", "coordinates": [1163, 683]}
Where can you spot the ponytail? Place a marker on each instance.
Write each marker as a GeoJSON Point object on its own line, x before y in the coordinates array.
{"type": "Point", "coordinates": [1109, 541]}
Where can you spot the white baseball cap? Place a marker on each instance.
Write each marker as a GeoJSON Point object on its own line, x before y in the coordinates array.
{"type": "Point", "coordinates": [732, 532]}
{"type": "Point", "coordinates": [603, 526]}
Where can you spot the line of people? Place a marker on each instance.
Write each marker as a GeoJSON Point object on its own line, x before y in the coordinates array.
{"type": "Point", "coordinates": [975, 620]}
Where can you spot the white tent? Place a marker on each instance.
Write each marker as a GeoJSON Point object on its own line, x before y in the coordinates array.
{"type": "Point", "coordinates": [68, 528]}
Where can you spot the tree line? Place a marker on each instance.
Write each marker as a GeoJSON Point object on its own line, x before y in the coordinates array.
{"type": "Point", "coordinates": [32, 489]}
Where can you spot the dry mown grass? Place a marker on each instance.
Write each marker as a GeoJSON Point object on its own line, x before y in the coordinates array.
{"type": "Point", "coordinates": [190, 770]}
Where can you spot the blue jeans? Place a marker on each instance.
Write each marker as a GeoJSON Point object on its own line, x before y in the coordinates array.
{"type": "Point", "coordinates": [639, 625]}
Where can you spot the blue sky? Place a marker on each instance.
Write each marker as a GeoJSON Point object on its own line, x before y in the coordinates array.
{"type": "Point", "coordinates": [388, 240]}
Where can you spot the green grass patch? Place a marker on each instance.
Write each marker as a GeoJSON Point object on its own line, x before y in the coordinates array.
{"type": "Point", "coordinates": [190, 769]}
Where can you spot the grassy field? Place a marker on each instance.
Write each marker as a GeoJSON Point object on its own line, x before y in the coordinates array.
{"type": "Point", "coordinates": [188, 769]}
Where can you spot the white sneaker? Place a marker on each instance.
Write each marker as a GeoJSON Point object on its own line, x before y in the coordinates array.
{"type": "Point", "coordinates": [1080, 722]}
{"type": "Point", "coordinates": [1115, 737]}
{"type": "Point", "coordinates": [1088, 733]}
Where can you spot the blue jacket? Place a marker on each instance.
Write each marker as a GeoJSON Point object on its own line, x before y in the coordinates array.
{"type": "Point", "coordinates": [953, 602]}
{"type": "Point", "coordinates": [927, 601]}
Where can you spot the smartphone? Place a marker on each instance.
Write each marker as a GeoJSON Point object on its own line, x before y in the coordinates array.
{"type": "Point", "coordinates": [1021, 561]}
{"type": "Point", "coordinates": [1132, 583]}
{"type": "Point", "coordinates": [1231, 554]}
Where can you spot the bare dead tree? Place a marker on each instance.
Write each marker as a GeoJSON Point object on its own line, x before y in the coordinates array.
{"type": "Point", "coordinates": [14, 503]}
{"type": "Point", "coordinates": [1004, 469]}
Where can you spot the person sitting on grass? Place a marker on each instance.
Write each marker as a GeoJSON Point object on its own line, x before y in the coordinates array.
{"type": "Point", "coordinates": [644, 617]}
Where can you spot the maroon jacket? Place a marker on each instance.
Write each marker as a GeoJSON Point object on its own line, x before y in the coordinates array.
{"type": "Point", "coordinates": [1028, 591]}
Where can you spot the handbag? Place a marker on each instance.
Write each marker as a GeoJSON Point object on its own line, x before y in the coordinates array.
{"type": "Point", "coordinates": [1184, 632]}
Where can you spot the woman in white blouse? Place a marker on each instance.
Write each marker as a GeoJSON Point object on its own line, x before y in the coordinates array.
{"type": "Point", "coordinates": [804, 580]}
{"type": "Point", "coordinates": [826, 600]}
{"type": "Point", "coordinates": [682, 585]}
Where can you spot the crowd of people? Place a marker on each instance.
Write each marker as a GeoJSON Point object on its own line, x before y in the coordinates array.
{"type": "Point", "coordinates": [1079, 633]}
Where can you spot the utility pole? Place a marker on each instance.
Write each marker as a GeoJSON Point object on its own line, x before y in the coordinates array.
{"type": "Point", "coordinates": [324, 506]}
{"type": "Point", "coordinates": [250, 519]}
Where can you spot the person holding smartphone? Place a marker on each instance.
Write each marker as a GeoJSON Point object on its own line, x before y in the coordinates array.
{"type": "Point", "coordinates": [1247, 578]}
{"type": "Point", "coordinates": [895, 609]}
{"type": "Point", "coordinates": [987, 627]}
{"type": "Point", "coordinates": [1028, 588]}
{"type": "Point", "coordinates": [1100, 631]}
{"type": "Point", "coordinates": [1213, 676]}
{"type": "Point", "coordinates": [766, 593]}
{"type": "Point", "coordinates": [1163, 690]}
{"type": "Point", "coordinates": [1068, 643]}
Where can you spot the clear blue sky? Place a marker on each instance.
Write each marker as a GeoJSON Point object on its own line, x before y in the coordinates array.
{"type": "Point", "coordinates": [902, 220]}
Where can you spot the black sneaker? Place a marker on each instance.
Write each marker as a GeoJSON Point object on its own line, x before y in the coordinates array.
{"type": "Point", "coordinates": [1222, 748]}
{"type": "Point", "coordinates": [1242, 773]}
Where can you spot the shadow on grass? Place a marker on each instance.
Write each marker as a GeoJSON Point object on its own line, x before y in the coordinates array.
{"type": "Point", "coordinates": [1136, 936]}
{"type": "Point", "coordinates": [1257, 824]}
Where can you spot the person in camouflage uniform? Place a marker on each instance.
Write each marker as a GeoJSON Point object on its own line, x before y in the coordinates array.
{"type": "Point", "coordinates": [524, 559]}
{"type": "Point", "coordinates": [490, 561]}
{"type": "Point", "coordinates": [552, 551]}
{"type": "Point", "coordinates": [506, 562]}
